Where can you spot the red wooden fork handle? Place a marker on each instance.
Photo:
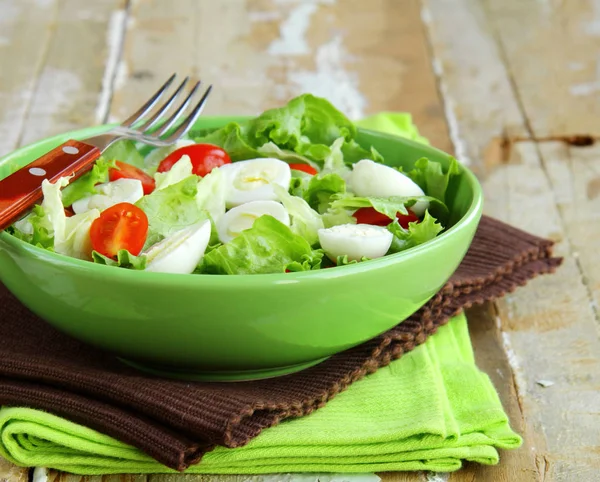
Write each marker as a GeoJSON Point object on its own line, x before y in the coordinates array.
{"type": "Point", "coordinates": [22, 189]}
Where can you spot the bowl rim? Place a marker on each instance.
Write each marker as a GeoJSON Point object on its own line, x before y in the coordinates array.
{"type": "Point", "coordinates": [473, 211]}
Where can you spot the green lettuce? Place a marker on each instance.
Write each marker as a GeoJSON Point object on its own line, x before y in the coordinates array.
{"type": "Point", "coordinates": [124, 260]}
{"type": "Point", "coordinates": [49, 227]}
{"type": "Point", "coordinates": [268, 247]}
{"type": "Point", "coordinates": [181, 170]}
{"type": "Point", "coordinates": [171, 209]}
{"type": "Point", "coordinates": [270, 149]}
{"type": "Point", "coordinates": [125, 151]}
{"type": "Point", "coordinates": [417, 233]}
{"type": "Point", "coordinates": [85, 185]}
{"type": "Point", "coordinates": [34, 229]}
{"type": "Point", "coordinates": [235, 140]}
{"type": "Point", "coordinates": [389, 206]}
{"type": "Point", "coordinates": [305, 221]}
{"type": "Point", "coordinates": [307, 126]}
{"type": "Point", "coordinates": [430, 177]}
{"type": "Point", "coordinates": [320, 190]}
{"type": "Point", "coordinates": [211, 193]}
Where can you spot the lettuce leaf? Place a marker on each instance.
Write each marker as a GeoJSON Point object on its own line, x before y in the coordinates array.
{"type": "Point", "coordinates": [417, 233]}
{"type": "Point", "coordinates": [181, 170]}
{"type": "Point", "coordinates": [430, 177]}
{"type": "Point", "coordinates": [85, 185]}
{"type": "Point", "coordinates": [389, 206]}
{"type": "Point", "coordinates": [212, 190]}
{"type": "Point", "coordinates": [234, 139]}
{"type": "Point", "coordinates": [34, 229]}
{"type": "Point", "coordinates": [124, 260]}
{"type": "Point", "coordinates": [343, 260]}
{"type": "Point", "coordinates": [320, 189]}
{"type": "Point", "coordinates": [305, 221]}
{"type": "Point", "coordinates": [335, 217]}
{"type": "Point", "coordinates": [270, 149]}
{"type": "Point", "coordinates": [125, 151]}
{"type": "Point", "coordinates": [268, 247]}
{"type": "Point", "coordinates": [307, 126]}
{"type": "Point", "coordinates": [171, 209]}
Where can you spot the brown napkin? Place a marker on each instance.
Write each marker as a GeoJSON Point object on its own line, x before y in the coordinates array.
{"type": "Point", "coordinates": [176, 422]}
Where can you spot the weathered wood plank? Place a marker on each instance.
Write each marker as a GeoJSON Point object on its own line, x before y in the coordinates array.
{"type": "Point", "coordinates": [12, 473]}
{"type": "Point", "coordinates": [549, 327]}
{"type": "Point", "coordinates": [551, 51]}
{"type": "Point", "coordinates": [69, 88]}
{"type": "Point", "coordinates": [54, 476]}
{"type": "Point", "coordinates": [21, 58]}
{"type": "Point", "coordinates": [480, 106]}
{"type": "Point", "coordinates": [364, 57]}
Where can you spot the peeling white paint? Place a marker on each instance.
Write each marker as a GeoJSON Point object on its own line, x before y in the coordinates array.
{"type": "Point", "coordinates": [331, 80]}
{"type": "Point", "coordinates": [544, 383]}
{"type": "Point", "coordinates": [438, 477]}
{"type": "Point", "coordinates": [56, 93]}
{"type": "Point", "coordinates": [10, 11]}
{"type": "Point", "coordinates": [264, 16]}
{"type": "Point", "coordinates": [40, 474]}
{"type": "Point", "coordinates": [292, 31]}
{"type": "Point", "coordinates": [512, 357]}
{"type": "Point", "coordinates": [586, 88]}
{"type": "Point", "coordinates": [460, 145]}
{"type": "Point", "coordinates": [114, 39]}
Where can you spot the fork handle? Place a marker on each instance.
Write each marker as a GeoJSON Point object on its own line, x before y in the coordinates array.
{"type": "Point", "coordinates": [22, 189]}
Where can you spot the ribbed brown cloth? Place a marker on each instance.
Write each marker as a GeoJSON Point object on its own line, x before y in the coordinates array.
{"type": "Point", "coordinates": [176, 422]}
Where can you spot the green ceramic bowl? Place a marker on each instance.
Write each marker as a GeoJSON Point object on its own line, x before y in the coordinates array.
{"type": "Point", "coordinates": [237, 327]}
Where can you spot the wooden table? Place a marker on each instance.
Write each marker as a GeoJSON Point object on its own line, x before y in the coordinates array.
{"type": "Point", "coordinates": [512, 87]}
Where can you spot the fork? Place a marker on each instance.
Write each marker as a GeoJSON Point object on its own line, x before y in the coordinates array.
{"type": "Point", "coordinates": [22, 189]}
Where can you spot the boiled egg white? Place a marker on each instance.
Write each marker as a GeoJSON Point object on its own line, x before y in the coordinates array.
{"type": "Point", "coordinates": [355, 241]}
{"type": "Point", "coordinates": [181, 252]}
{"type": "Point", "coordinates": [109, 194]}
{"type": "Point", "coordinates": [370, 178]}
{"type": "Point", "coordinates": [253, 180]}
{"type": "Point", "coordinates": [242, 217]}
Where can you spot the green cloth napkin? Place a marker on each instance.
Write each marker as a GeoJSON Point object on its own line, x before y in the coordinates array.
{"type": "Point", "coordinates": [429, 410]}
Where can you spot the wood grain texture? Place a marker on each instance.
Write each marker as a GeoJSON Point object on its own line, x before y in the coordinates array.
{"type": "Point", "coordinates": [69, 88]}
{"type": "Point", "coordinates": [12, 473]}
{"type": "Point", "coordinates": [549, 328]}
{"type": "Point", "coordinates": [21, 57]}
{"type": "Point", "coordinates": [480, 106]}
{"type": "Point", "coordinates": [364, 57]}
{"type": "Point", "coordinates": [551, 50]}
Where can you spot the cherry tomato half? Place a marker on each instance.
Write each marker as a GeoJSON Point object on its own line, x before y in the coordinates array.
{"type": "Point", "coordinates": [304, 168]}
{"type": "Point", "coordinates": [204, 157]}
{"type": "Point", "coordinates": [127, 171]}
{"type": "Point", "coordinates": [370, 216]}
{"type": "Point", "coordinates": [122, 226]}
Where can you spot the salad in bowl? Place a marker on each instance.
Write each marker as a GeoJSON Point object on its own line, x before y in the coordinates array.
{"type": "Point", "coordinates": [290, 190]}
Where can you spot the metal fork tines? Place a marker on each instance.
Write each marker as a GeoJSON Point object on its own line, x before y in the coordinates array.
{"type": "Point", "coordinates": [158, 128]}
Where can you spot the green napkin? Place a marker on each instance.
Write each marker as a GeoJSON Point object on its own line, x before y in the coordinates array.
{"type": "Point", "coordinates": [429, 410]}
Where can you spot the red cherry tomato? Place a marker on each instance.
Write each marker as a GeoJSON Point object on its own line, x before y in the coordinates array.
{"type": "Point", "coordinates": [204, 157]}
{"type": "Point", "coordinates": [370, 216]}
{"type": "Point", "coordinates": [122, 226]}
{"type": "Point", "coordinates": [304, 168]}
{"type": "Point", "coordinates": [127, 171]}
